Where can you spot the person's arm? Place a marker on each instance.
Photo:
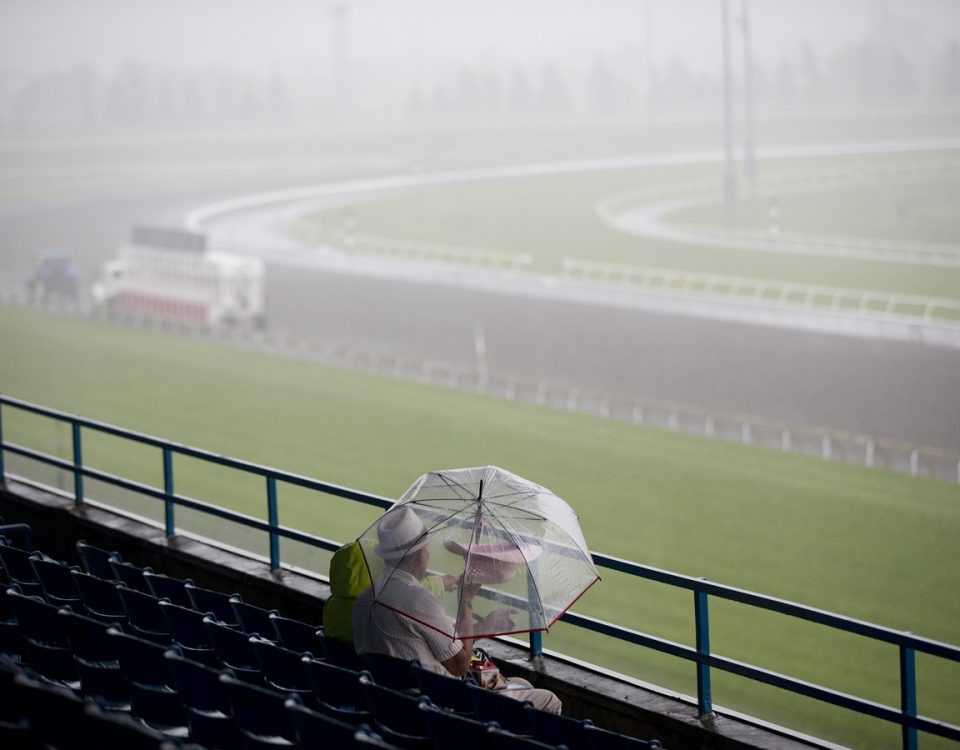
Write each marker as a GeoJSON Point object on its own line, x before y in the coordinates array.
{"type": "Point", "coordinates": [459, 663]}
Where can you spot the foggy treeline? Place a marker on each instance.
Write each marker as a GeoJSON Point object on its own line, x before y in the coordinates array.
{"type": "Point", "coordinates": [149, 94]}
{"type": "Point", "coordinates": [640, 74]}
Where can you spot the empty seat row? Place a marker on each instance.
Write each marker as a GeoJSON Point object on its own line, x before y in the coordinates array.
{"type": "Point", "coordinates": [36, 714]}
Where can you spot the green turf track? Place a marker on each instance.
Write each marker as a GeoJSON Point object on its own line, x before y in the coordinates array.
{"type": "Point", "coordinates": [864, 543]}
{"type": "Point", "coordinates": [552, 217]}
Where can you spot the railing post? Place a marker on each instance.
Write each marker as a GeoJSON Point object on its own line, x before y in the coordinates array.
{"type": "Point", "coordinates": [536, 646]}
{"type": "Point", "coordinates": [704, 692]}
{"type": "Point", "coordinates": [168, 506]}
{"type": "Point", "coordinates": [908, 696]}
{"type": "Point", "coordinates": [2, 473]}
{"type": "Point", "coordinates": [536, 636]}
{"type": "Point", "coordinates": [77, 464]}
{"type": "Point", "coordinates": [273, 520]}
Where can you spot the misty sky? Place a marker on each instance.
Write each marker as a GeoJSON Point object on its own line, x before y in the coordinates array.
{"type": "Point", "coordinates": [290, 36]}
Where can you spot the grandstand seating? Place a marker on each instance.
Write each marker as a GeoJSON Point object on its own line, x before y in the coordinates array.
{"type": "Point", "coordinates": [446, 692]}
{"type": "Point", "coordinates": [119, 666]}
{"type": "Point", "coordinates": [254, 619]}
{"type": "Point", "coordinates": [282, 669]}
{"type": "Point", "coordinates": [336, 690]}
{"type": "Point", "coordinates": [220, 604]}
{"type": "Point", "coordinates": [391, 672]}
{"type": "Point", "coordinates": [188, 631]}
{"type": "Point", "coordinates": [100, 597]}
{"type": "Point", "coordinates": [144, 616]}
{"type": "Point", "coordinates": [556, 729]}
{"type": "Point", "coordinates": [130, 575]}
{"type": "Point", "coordinates": [509, 713]}
{"type": "Point", "coordinates": [55, 578]}
{"type": "Point", "coordinates": [167, 587]}
{"type": "Point", "coordinates": [96, 561]}
{"type": "Point", "coordinates": [298, 636]}
{"type": "Point", "coordinates": [16, 563]}
{"type": "Point", "coordinates": [452, 729]}
{"type": "Point", "coordinates": [233, 650]}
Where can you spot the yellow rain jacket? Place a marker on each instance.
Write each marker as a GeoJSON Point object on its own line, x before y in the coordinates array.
{"type": "Point", "coordinates": [348, 577]}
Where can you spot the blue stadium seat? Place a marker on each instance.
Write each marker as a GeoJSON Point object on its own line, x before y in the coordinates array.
{"type": "Point", "coordinates": [450, 729]}
{"type": "Point", "coordinates": [396, 715]}
{"type": "Point", "coordinates": [509, 713]}
{"type": "Point", "coordinates": [343, 654]}
{"type": "Point", "coordinates": [16, 563]}
{"type": "Point", "coordinates": [188, 631]}
{"type": "Point", "coordinates": [100, 675]}
{"type": "Point", "coordinates": [130, 575]}
{"type": "Point", "coordinates": [144, 616]}
{"type": "Point", "coordinates": [153, 695]}
{"type": "Point", "coordinates": [140, 660]}
{"type": "Point", "coordinates": [100, 597]}
{"type": "Point", "coordinates": [299, 636]}
{"type": "Point", "coordinates": [11, 643]}
{"type": "Point", "coordinates": [17, 534]}
{"type": "Point", "coordinates": [604, 739]}
{"type": "Point", "coordinates": [15, 729]}
{"type": "Point", "coordinates": [44, 635]}
{"type": "Point", "coordinates": [500, 739]}
{"type": "Point", "coordinates": [282, 668]}
{"type": "Point", "coordinates": [443, 690]}
{"type": "Point", "coordinates": [233, 650]}
{"type": "Point", "coordinates": [260, 714]}
{"type": "Point", "coordinates": [336, 690]}
{"type": "Point", "coordinates": [55, 714]}
{"type": "Point", "coordinates": [169, 588]}
{"type": "Point", "coordinates": [317, 730]}
{"type": "Point", "coordinates": [556, 729]}
{"type": "Point", "coordinates": [254, 619]}
{"type": "Point", "coordinates": [59, 588]}
{"type": "Point", "coordinates": [366, 739]}
{"type": "Point", "coordinates": [389, 671]}
{"type": "Point", "coordinates": [205, 701]}
{"type": "Point", "coordinates": [208, 600]}
{"type": "Point", "coordinates": [118, 730]}
{"type": "Point", "coordinates": [96, 560]}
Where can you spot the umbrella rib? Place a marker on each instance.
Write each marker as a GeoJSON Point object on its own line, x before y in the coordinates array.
{"type": "Point", "coordinates": [453, 483]}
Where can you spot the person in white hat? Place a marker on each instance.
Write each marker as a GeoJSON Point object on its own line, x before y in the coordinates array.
{"type": "Point", "coordinates": [378, 627]}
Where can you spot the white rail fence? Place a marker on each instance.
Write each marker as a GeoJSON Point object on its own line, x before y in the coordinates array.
{"type": "Point", "coordinates": [822, 443]}
{"type": "Point", "coordinates": [416, 250]}
{"type": "Point", "coordinates": [767, 292]}
{"type": "Point", "coordinates": [829, 445]}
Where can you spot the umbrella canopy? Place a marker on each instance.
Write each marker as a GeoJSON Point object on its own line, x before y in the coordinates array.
{"type": "Point", "coordinates": [484, 528]}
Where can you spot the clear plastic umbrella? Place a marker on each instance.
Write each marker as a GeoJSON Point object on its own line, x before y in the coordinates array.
{"type": "Point", "coordinates": [483, 528]}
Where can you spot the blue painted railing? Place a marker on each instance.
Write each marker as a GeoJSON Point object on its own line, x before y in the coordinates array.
{"type": "Point", "coordinates": [906, 715]}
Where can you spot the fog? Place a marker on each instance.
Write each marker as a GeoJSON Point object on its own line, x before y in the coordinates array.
{"type": "Point", "coordinates": [107, 64]}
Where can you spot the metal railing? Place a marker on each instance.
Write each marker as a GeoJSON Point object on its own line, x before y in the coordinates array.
{"type": "Point", "coordinates": [906, 716]}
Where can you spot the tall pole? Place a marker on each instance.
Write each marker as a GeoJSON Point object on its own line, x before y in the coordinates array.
{"type": "Point", "coordinates": [648, 68]}
{"type": "Point", "coordinates": [340, 85]}
{"type": "Point", "coordinates": [750, 167]}
{"type": "Point", "coordinates": [729, 183]}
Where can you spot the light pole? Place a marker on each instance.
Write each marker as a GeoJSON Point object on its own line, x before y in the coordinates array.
{"type": "Point", "coordinates": [729, 182]}
{"type": "Point", "coordinates": [749, 165]}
